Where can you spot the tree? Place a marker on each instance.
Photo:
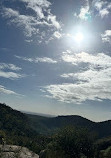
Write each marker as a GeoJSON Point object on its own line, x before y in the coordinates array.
{"type": "Point", "coordinates": [72, 143]}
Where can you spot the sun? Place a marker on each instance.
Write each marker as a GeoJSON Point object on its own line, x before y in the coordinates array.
{"type": "Point", "coordinates": [78, 37]}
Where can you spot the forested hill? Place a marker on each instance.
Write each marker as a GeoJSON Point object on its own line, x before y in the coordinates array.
{"type": "Point", "coordinates": [15, 128]}
{"type": "Point", "coordinates": [22, 124]}
{"type": "Point", "coordinates": [14, 121]}
{"type": "Point", "coordinates": [47, 125]}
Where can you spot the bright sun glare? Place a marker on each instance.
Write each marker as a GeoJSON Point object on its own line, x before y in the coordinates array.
{"type": "Point", "coordinates": [78, 37]}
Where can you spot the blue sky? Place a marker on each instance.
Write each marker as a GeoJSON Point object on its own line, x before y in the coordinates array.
{"type": "Point", "coordinates": [55, 57]}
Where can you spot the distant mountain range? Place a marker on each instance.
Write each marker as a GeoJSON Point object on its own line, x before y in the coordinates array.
{"type": "Point", "coordinates": [47, 125]}
{"type": "Point", "coordinates": [39, 114]}
{"type": "Point", "coordinates": [37, 132]}
{"type": "Point", "coordinates": [31, 124]}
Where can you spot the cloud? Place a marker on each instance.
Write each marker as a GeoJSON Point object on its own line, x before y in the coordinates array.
{"type": "Point", "coordinates": [45, 60]}
{"type": "Point", "coordinates": [92, 83]}
{"type": "Point", "coordinates": [52, 19]}
{"type": "Point", "coordinates": [10, 75]}
{"type": "Point", "coordinates": [68, 75]}
{"type": "Point", "coordinates": [104, 12]}
{"type": "Point", "coordinates": [84, 12]}
{"type": "Point", "coordinates": [34, 3]}
{"type": "Point", "coordinates": [6, 91]}
{"type": "Point", "coordinates": [9, 66]}
{"type": "Point", "coordinates": [4, 71]}
{"type": "Point", "coordinates": [99, 60]}
{"type": "Point", "coordinates": [103, 7]}
{"type": "Point", "coordinates": [90, 75]}
{"type": "Point", "coordinates": [106, 37]}
{"type": "Point", "coordinates": [25, 21]}
{"type": "Point", "coordinates": [36, 60]}
{"type": "Point", "coordinates": [34, 24]}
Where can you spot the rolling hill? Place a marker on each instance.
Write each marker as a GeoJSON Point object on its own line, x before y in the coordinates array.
{"type": "Point", "coordinates": [28, 125]}
{"type": "Point", "coordinates": [50, 125]}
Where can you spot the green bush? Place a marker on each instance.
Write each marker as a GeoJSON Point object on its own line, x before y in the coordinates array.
{"type": "Point", "coordinates": [71, 142]}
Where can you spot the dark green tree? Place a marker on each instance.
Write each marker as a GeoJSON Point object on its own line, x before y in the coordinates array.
{"type": "Point", "coordinates": [72, 143]}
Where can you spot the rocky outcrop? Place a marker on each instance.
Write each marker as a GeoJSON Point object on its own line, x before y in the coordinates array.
{"type": "Point", "coordinates": [13, 151]}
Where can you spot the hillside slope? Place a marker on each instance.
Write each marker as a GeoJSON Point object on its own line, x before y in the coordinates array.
{"type": "Point", "coordinates": [46, 125]}
{"type": "Point", "coordinates": [16, 129]}
{"type": "Point", "coordinates": [14, 121]}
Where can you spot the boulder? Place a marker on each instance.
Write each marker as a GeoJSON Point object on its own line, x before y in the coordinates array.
{"type": "Point", "coordinates": [13, 151]}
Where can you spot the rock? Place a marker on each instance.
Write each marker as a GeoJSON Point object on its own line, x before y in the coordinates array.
{"type": "Point", "coordinates": [42, 154]}
{"type": "Point", "coordinates": [13, 151]}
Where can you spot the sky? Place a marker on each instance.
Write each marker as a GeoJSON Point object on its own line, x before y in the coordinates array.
{"type": "Point", "coordinates": [55, 57]}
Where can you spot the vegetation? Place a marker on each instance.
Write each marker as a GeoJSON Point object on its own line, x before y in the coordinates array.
{"type": "Point", "coordinates": [16, 129]}
{"type": "Point", "coordinates": [71, 142]}
{"type": "Point", "coordinates": [45, 125]}
{"type": "Point", "coordinates": [59, 137]}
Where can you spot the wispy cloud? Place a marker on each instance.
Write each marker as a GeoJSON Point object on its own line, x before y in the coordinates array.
{"type": "Point", "coordinates": [36, 60]}
{"type": "Point", "coordinates": [4, 71]}
{"type": "Point", "coordinates": [106, 37]}
{"type": "Point", "coordinates": [6, 91]}
{"type": "Point", "coordinates": [9, 66]}
{"type": "Point", "coordinates": [32, 24]}
{"type": "Point", "coordinates": [68, 75]}
{"type": "Point", "coordinates": [11, 75]}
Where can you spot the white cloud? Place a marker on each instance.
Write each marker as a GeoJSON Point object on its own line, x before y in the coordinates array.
{"type": "Point", "coordinates": [9, 66]}
{"type": "Point", "coordinates": [10, 75]}
{"type": "Point", "coordinates": [68, 75]}
{"type": "Point", "coordinates": [99, 4]}
{"type": "Point", "coordinates": [106, 37]}
{"type": "Point", "coordinates": [99, 60]}
{"type": "Point", "coordinates": [96, 86]}
{"type": "Point", "coordinates": [38, 6]}
{"type": "Point", "coordinates": [104, 12]}
{"type": "Point", "coordinates": [36, 60]}
{"type": "Point", "coordinates": [92, 83]}
{"type": "Point", "coordinates": [21, 21]}
{"type": "Point", "coordinates": [51, 18]}
{"type": "Point", "coordinates": [84, 12]}
{"type": "Point", "coordinates": [4, 71]}
{"type": "Point", "coordinates": [24, 58]}
{"type": "Point", "coordinates": [34, 24]}
{"type": "Point", "coordinates": [45, 60]}
{"type": "Point", "coordinates": [10, 12]}
{"type": "Point", "coordinates": [33, 3]}
{"type": "Point", "coordinates": [6, 91]}
{"type": "Point", "coordinates": [90, 75]}
{"type": "Point", "coordinates": [103, 7]}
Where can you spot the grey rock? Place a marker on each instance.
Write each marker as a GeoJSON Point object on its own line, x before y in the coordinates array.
{"type": "Point", "coordinates": [13, 151]}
